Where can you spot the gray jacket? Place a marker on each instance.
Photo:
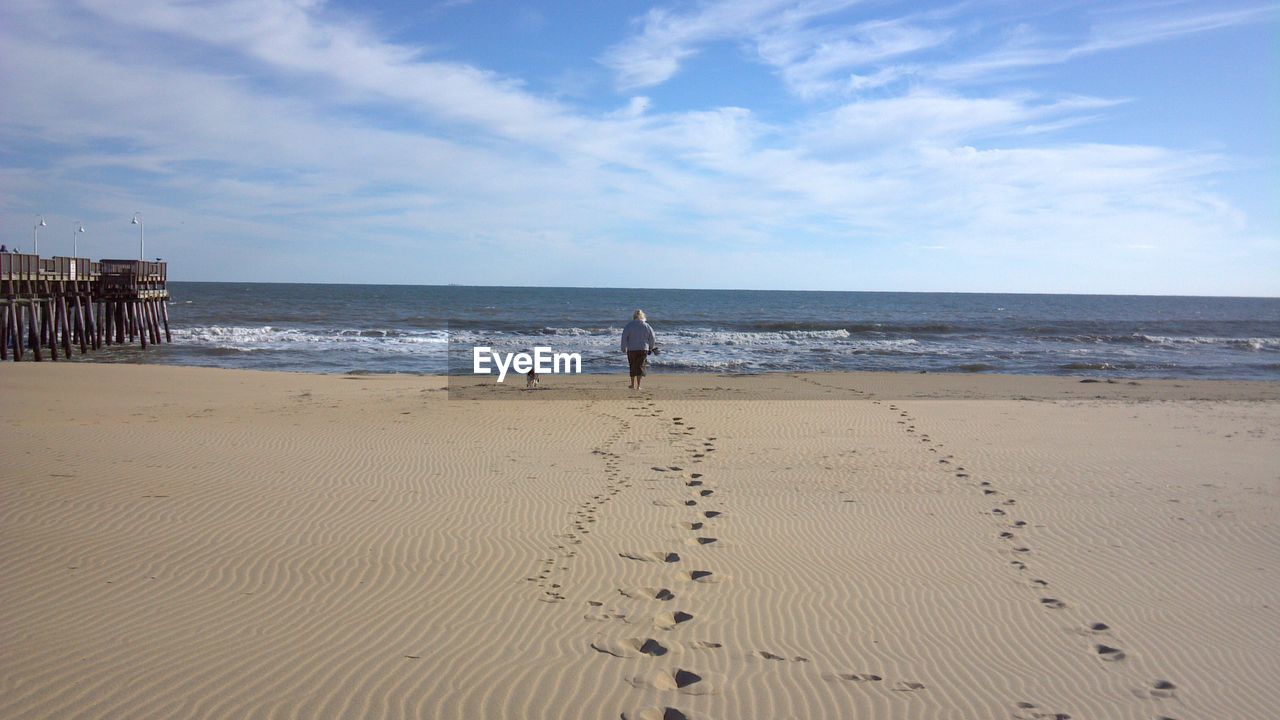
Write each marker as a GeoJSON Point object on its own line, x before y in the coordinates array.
{"type": "Point", "coordinates": [637, 335]}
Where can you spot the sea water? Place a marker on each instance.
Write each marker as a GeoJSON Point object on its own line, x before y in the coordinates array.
{"type": "Point", "coordinates": [410, 329]}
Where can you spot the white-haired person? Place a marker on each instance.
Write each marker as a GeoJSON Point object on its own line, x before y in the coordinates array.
{"type": "Point", "coordinates": [637, 343]}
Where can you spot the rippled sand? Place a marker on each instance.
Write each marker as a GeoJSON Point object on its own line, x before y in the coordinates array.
{"type": "Point", "coordinates": [181, 542]}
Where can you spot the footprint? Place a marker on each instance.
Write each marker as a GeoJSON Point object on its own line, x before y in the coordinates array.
{"type": "Point", "coordinates": [663, 557]}
{"type": "Point", "coordinates": [691, 525]}
{"type": "Point", "coordinates": [858, 677]}
{"type": "Point", "coordinates": [701, 541]}
{"type": "Point", "coordinates": [1099, 627]}
{"type": "Point", "coordinates": [703, 576]}
{"type": "Point", "coordinates": [906, 686]}
{"type": "Point", "coordinates": [635, 647]}
{"type": "Point", "coordinates": [1162, 689]}
{"type": "Point", "coordinates": [1038, 715]}
{"type": "Point", "coordinates": [1052, 603]}
{"type": "Point", "coordinates": [711, 514]}
{"type": "Point", "coordinates": [603, 615]}
{"type": "Point", "coordinates": [648, 593]}
{"type": "Point", "coordinates": [669, 620]}
{"type": "Point", "coordinates": [681, 680]}
{"type": "Point", "coordinates": [768, 655]}
{"type": "Point", "coordinates": [706, 645]}
{"type": "Point", "coordinates": [1108, 653]}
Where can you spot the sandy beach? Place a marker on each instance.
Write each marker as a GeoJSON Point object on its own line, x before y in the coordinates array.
{"type": "Point", "coordinates": [195, 543]}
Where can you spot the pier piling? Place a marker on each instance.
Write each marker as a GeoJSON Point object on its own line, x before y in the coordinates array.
{"type": "Point", "coordinates": [61, 303]}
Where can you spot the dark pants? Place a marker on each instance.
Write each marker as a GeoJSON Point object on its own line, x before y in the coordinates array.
{"type": "Point", "coordinates": [637, 359]}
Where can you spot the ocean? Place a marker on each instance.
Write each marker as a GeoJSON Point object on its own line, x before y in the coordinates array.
{"type": "Point", "coordinates": [410, 329]}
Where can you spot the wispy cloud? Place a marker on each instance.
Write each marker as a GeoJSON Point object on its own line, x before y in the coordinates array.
{"type": "Point", "coordinates": [933, 118]}
{"type": "Point", "coordinates": [816, 52]}
{"type": "Point", "coordinates": [292, 37]}
{"type": "Point", "coordinates": [1116, 30]}
{"type": "Point", "coordinates": [815, 62]}
{"type": "Point", "coordinates": [667, 37]}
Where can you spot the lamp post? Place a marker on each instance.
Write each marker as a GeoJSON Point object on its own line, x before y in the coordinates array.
{"type": "Point", "coordinates": [79, 229]}
{"type": "Point", "coordinates": [35, 235]}
{"type": "Point", "coordinates": [137, 220]}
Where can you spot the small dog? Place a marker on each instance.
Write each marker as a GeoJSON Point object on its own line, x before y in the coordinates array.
{"type": "Point", "coordinates": [531, 380]}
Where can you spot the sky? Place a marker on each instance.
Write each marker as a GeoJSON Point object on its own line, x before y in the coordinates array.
{"type": "Point", "coordinates": [1128, 147]}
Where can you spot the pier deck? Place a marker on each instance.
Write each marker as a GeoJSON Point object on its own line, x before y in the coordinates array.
{"type": "Point", "coordinates": [54, 305]}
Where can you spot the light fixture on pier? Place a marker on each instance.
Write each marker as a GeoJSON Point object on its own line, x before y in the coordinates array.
{"type": "Point", "coordinates": [79, 229]}
{"type": "Point", "coordinates": [137, 220]}
{"type": "Point", "coordinates": [35, 235]}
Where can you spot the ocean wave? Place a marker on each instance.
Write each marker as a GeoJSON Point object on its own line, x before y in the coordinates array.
{"type": "Point", "coordinates": [580, 332]}
{"type": "Point", "coordinates": [904, 346]}
{"type": "Point", "coordinates": [1143, 339]}
{"type": "Point", "coordinates": [242, 338]}
{"type": "Point", "coordinates": [1253, 343]}
{"type": "Point", "coordinates": [790, 337]}
{"type": "Point", "coordinates": [694, 365]}
{"type": "Point", "coordinates": [685, 337]}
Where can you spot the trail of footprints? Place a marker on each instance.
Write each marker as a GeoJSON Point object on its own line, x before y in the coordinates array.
{"type": "Point", "coordinates": [1102, 642]}
{"type": "Point", "coordinates": [665, 612]}
{"type": "Point", "coordinates": [552, 568]}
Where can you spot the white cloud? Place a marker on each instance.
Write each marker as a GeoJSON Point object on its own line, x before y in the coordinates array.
{"type": "Point", "coordinates": [1026, 48]}
{"type": "Point", "coordinates": [295, 37]}
{"type": "Point", "coordinates": [816, 55]}
{"type": "Point", "coordinates": [883, 76]}
{"type": "Point", "coordinates": [815, 62]}
{"type": "Point", "coordinates": [669, 38]}
{"type": "Point", "coordinates": [930, 117]}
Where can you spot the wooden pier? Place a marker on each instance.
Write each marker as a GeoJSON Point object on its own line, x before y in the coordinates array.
{"type": "Point", "coordinates": [55, 305]}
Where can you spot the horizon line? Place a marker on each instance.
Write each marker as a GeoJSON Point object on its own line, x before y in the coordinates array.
{"type": "Point", "coordinates": [694, 289]}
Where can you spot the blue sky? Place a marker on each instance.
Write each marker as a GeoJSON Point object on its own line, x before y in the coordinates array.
{"type": "Point", "coordinates": [1113, 147]}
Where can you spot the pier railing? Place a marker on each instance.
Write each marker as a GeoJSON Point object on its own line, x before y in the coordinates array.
{"type": "Point", "coordinates": [52, 304]}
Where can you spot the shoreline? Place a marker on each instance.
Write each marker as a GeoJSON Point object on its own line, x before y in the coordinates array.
{"type": "Point", "coordinates": [781, 385]}
{"type": "Point", "coordinates": [200, 542]}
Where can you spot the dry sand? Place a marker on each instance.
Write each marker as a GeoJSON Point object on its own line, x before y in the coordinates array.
{"type": "Point", "coordinates": [191, 543]}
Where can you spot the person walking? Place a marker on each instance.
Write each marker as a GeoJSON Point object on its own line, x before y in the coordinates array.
{"type": "Point", "coordinates": [637, 343]}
